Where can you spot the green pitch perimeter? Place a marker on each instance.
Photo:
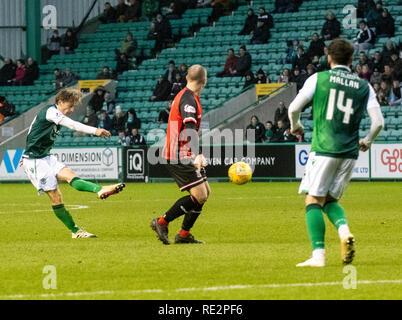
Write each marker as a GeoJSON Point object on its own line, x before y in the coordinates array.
{"type": "Point", "coordinates": [255, 235]}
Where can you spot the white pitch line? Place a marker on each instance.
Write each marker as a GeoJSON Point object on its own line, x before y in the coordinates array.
{"type": "Point", "coordinates": [69, 207]}
{"type": "Point", "coordinates": [218, 288]}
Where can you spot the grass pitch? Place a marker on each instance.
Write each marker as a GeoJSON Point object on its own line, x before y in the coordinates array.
{"type": "Point", "coordinates": [255, 235]}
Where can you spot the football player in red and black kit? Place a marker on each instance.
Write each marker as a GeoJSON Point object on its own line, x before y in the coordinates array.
{"type": "Point", "coordinates": [187, 168]}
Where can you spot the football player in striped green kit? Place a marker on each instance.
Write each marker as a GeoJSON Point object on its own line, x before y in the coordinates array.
{"type": "Point", "coordinates": [44, 170]}
{"type": "Point", "coordinates": [340, 99]}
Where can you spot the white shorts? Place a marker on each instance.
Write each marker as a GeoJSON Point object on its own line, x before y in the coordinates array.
{"type": "Point", "coordinates": [326, 175]}
{"type": "Point", "coordinates": [42, 172]}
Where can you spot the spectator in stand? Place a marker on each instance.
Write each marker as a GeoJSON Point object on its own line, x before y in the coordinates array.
{"type": "Point", "coordinates": [133, 12]}
{"type": "Point", "coordinates": [69, 43]}
{"type": "Point", "coordinates": [171, 72]}
{"type": "Point", "coordinates": [32, 72]}
{"type": "Point", "coordinates": [183, 72]}
{"type": "Point", "coordinates": [135, 139]}
{"type": "Point", "coordinates": [316, 47]}
{"type": "Point", "coordinates": [123, 140]}
{"type": "Point", "coordinates": [278, 135]}
{"type": "Point", "coordinates": [269, 131]}
{"type": "Point", "coordinates": [121, 11]}
{"type": "Point", "coordinates": [383, 93]}
{"type": "Point", "coordinates": [177, 85]}
{"type": "Point", "coordinates": [7, 72]}
{"type": "Point", "coordinates": [58, 79]}
{"type": "Point", "coordinates": [150, 8]}
{"type": "Point", "coordinates": [123, 64]}
{"type": "Point", "coordinates": [90, 118]}
{"type": "Point", "coordinates": [288, 137]}
{"type": "Point", "coordinates": [258, 128]}
{"type": "Point", "coordinates": [19, 73]}
{"type": "Point", "coordinates": [363, 58]}
{"type": "Point", "coordinates": [374, 14]}
{"type": "Point", "coordinates": [310, 70]}
{"type": "Point", "coordinates": [387, 74]}
{"type": "Point", "coordinates": [394, 60]}
{"type": "Point", "coordinates": [299, 77]}
{"type": "Point", "coordinates": [378, 61]}
{"type": "Point", "coordinates": [105, 74]}
{"type": "Point", "coordinates": [174, 10]}
{"type": "Point", "coordinates": [301, 60]}
{"type": "Point", "coordinates": [365, 73]}
{"type": "Point", "coordinates": [162, 90]}
{"type": "Point", "coordinates": [385, 26]}
{"type": "Point", "coordinates": [243, 64]}
{"type": "Point", "coordinates": [119, 121]}
{"type": "Point", "coordinates": [363, 7]}
{"type": "Point", "coordinates": [358, 68]}
{"type": "Point", "coordinates": [129, 46]}
{"type": "Point", "coordinates": [104, 121]}
{"type": "Point", "coordinates": [230, 64]}
{"type": "Point", "coordinates": [250, 24]}
{"type": "Point", "coordinates": [284, 77]}
{"type": "Point", "coordinates": [261, 77]}
{"type": "Point", "coordinates": [266, 17]}
{"type": "Point", "coordinates": [324, 64]}
{"type": "Point", "coordinates": [316, 62]}
{"type": "Point", "coordinates": [388, 51]}
{"type": "Point", "coordinates": [250, 80]}
{"type": "Point", "coordinates": [281, 114]}
{"type": "Point", "coordinates": [395, 98]}
{"type": "Point", "coordinates": [331, 28]}
{"type": "Point", "coordinates": [376, 76]}
{"type": "Point", "coordinates": [218, 9]}
{"type": "Point", "coordinates": [164, 114]}
{"type": "Point", "coordinates": [291, 51]}
{"type": "Point", "coordinates": [133, 122]}
{"type": "Point", "coordinates": [365, 38]}
{"type": "Point", "coordinates": [109, 103]}
{"type": "Point", "coordinates": [54, 44]}
{"type": "Point", "coordinates": [376, 87]}
{"type": "Point", "coordinates": [162, 32]}
{"type": "Point", "coordinates": [109, 14]}
{"type": "Point", "coordinates": [97, 99]}
{"type": "Point", "coordinates": [261, 33]}
{"type": "Point", "coordinates": [68, 78]}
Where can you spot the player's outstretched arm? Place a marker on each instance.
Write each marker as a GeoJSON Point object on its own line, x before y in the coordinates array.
{"type": "Point", "coordinates": [377, 120]}
{"type": "Point", "coordinates": [303, 97]}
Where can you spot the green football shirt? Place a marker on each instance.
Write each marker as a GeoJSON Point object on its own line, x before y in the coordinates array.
{"type": "Point", "coordinates": [43, 132]}
{"type": "Point", "coordinates": [340, 99]}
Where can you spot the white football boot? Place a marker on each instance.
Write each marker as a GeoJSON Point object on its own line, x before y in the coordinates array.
{"type": "Point", "coordinates": [107, 191]}
{"type": "Point", "coordinates": [317, 260]}
{"type": "Point", "coordinates": [82, 234]}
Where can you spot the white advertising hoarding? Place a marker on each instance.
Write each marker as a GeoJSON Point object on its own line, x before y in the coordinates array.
{"type": "Point", "coordinates": [386, 161]}
{"type": "Point", "coordinates": [361, 170]}
{"type": "Point", "coordinates": [88, 163]}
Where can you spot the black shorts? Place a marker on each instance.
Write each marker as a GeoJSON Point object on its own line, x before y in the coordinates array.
{"type": "Point", "coordinates": [186, 175]}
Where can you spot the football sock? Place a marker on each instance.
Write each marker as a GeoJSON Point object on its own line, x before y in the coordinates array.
{"type": "Point", "coordinates": [182, 206]}
{"type": "Point", "coordinates": [184, 233]}
{"type": "Point", "coordinates": [65, 217]}
{"type": "Point", "coordinates": [335, 214]}
{"type": "Point", "coordinates": [83, 185]}
{"type": "Point", "coordinates": [315, 226]}
{"type": "Point", "coordinates": [191, 216]}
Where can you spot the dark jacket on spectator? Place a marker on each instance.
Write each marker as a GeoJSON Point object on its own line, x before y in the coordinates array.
{"type": "Point", "coordinates": [316, 48]}
{"type": "Point", "coordinates": [109, 16]}
{"type": "Point", "coordinates": [106, 124]}
{"type": "Point", "coordinates": [133, 12]}
{"type": "Point", "coordinates": [162, 90]}
{"type": "Point", "coordinates": [251, 81]}
{"type": "Point", "coordinates": [366, 35]}
{"type": "Point", "coordinates": [70, 42]}
{"type": "Point", "coordinates": [6, 109]}
{"type": "Point", "coordinates": [119, 124]}
{"type": "Point", "coordinates": [137, 140]}
{"type": "Point", "coordinates": [7, 72]}
{"type": "Point", "coordinates": [91, 120]}
{"type": "Point", "coordinates": [132, 122]}
{"type": "Point", "coordinates": [331, 27]}
{"type": "Point", "coordinates": [243, 64]}
{"type": "Point", "coordinates": [261, 34]}
{"type": "Point", "coordinates": [121, 9]}
{"type": "Point", "coordinates": [31, 73]}
{"type": "Point", "coordinates": [259, 132]}
{"type": "Point", "coordinates": [97, 101]}
{"type": "Point", "coordinates": [301, 61]}
{"type": "Point", "coordinates": [249, 25]}
{"type": "Point", "coordinates": [385, 26]}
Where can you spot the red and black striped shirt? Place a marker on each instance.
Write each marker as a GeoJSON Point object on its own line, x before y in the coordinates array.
{"type": "Point", "coordinates": [185, 113]}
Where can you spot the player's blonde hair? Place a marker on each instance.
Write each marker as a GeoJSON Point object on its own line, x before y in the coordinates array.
{"type": "Point", "coordinates": [73, 96]}
{"type": "Point", "coordinates": [197, 73]}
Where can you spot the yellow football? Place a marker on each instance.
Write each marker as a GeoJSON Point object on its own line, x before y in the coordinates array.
{"type": "Point", "coordinates": [240, 173]}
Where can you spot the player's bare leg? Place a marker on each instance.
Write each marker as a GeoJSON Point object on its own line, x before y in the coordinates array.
{"type": "Point", "coordinates": [64, 216]}
{"type": "Point", "coordinates": [316, 231]}
{"type": "Point", "coordinates": [72, 178]}
{"type": "Point", "coordinates": [337, 216]}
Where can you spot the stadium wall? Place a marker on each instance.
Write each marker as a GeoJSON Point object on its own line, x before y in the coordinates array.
{"type": "Point", "coordinates": [70, 13]}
